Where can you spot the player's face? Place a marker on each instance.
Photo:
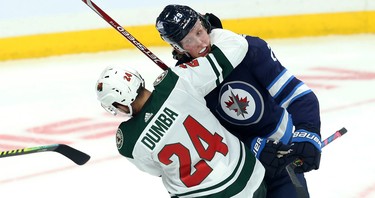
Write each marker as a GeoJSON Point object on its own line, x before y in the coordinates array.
{"type": "Point", "coordinates": [197, 42]}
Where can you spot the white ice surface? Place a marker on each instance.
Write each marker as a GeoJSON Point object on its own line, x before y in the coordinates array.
{"type": "Point", "coordinates": [52, 100]}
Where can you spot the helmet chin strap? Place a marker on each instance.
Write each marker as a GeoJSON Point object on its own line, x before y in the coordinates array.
{"type": "Point", "coordinates": [116, 111]}
{"type": "Point", "coordinates": [178, 48]}
{"type": "Point", "coordinates": [130, 111]}
{"type": "Point", "coordinates": [122, 113]}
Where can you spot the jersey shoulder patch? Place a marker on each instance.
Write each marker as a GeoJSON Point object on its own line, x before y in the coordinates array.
{"type": "Point", "coordinates": [160, 78]}
{"type": "Point", "coordinates": [119, 138]}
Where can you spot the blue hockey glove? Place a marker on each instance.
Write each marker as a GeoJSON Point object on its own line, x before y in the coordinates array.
{"type": "Point", "coordinates": [273, 155]}
{"type": "Point", "coordinates": [307, 147]}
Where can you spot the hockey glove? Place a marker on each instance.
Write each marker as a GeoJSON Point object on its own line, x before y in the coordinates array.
{"type": "Point", "coordinates": [273, 155]}
{"type": "Point", "coordinates": [214, 20]}
{"type": "Point", "coordinates": [306, 146]}
{"type": "Point", "coordinates": [181, 57]}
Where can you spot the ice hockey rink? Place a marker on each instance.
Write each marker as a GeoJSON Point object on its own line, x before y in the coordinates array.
{"type": "Point", "coordinates": [52, 100]}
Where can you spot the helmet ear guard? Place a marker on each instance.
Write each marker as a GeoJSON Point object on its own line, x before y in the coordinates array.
{"type": "Point", "coordinates": [118, 85]}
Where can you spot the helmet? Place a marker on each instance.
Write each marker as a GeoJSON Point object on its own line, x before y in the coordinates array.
{"type": "Point", "coordinates": [176, 21]}
{"type": "Point", "coordinates": [118, 84]}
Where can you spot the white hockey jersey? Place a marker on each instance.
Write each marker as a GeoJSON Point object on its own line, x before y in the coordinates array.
{"type": "Point", "coordinates": [175, 136]}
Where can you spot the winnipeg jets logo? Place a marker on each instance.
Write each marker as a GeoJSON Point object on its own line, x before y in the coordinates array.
{"type": "Point", "coordinates": [240, 103]}
{"type": "Point", "coordinates": [237, 104]}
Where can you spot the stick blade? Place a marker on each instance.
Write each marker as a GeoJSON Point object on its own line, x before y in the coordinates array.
{"type": "Point", "coordinates": [73, 154]}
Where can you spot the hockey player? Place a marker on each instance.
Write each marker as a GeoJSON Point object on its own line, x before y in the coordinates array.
{"type": "Point", "coordinates": [259, 102]}
{"type": "Point", "coordinates": [171, 133]}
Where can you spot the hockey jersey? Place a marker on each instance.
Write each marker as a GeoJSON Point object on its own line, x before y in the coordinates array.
{"type": "Point", "coordinates": [175, 135]}
{"type": "Point", "coordinates": [262, 98]}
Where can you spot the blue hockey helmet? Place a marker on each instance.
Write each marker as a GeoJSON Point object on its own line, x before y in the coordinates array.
{"type": "Point", "coordinates": [176, 21]}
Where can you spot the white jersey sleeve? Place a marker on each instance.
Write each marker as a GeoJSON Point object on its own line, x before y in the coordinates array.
{"type": "Point", "coordinates": [205, 73]}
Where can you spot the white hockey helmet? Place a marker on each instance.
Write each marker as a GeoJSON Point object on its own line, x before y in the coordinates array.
{"type": "Point", "coordinates": [118, 84]}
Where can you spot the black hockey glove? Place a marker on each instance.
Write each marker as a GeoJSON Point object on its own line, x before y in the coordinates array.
{"type": "Point", "coordinates": [273, 155]}
{"type": "Point", "coordinates": [182, 58]}
{"type": "Point", "coordinates": [306, 146]}
{"type": "Point", "coordinates": [214, 20]}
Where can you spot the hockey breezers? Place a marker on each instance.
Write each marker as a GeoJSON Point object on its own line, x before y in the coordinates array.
{"type": "Point", "coordinates": [301, 192]}
{"type": "Point", "coordinates": [73, 154]}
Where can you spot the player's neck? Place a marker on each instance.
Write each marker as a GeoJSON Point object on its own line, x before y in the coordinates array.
{"type": "Point", "coordinates": [142, 98]}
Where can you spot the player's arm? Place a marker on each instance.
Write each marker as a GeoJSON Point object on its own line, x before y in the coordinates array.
{"type": "Point", "coordinates": [205, 73]}
{"type": "Point", "coordinates": [299, 100]}
{"type": "Point", "coordinates": [306, 137]}
{"type": "Point", "coordinates": [143, 163]}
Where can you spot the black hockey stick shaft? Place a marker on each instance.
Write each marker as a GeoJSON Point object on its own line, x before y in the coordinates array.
{"type": "Point", "coordinates": [300, 190]}
{"type": "Point", "coordinates": [126, 34]}
{"type": "Point", "coordinates": [73, 154]}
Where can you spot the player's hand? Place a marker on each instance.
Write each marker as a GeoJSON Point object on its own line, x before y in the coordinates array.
{"type": "Point", "coordinates": [181, 57]}
{"type": "Point", "coordinates": [306, 146]}
{"type": "Point", "coordinates": [214, 20]}
{"type": "Point", "coordinates": [274, 155]}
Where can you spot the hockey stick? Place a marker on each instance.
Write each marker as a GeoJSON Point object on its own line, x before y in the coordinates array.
{"type": "Point", "coordinates": [126, 34]}
{"type": "Point", "coordinates": [334, 136]}
{"type": "Point", "coordinates": [300, 190]}
{"type": "Point", "coordinates": [73, 154]}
